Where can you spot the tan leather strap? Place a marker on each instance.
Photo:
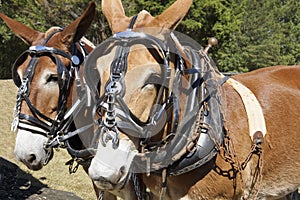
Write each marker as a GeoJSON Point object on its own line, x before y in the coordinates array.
{"type": "Point", "coordinates": [253, 108]}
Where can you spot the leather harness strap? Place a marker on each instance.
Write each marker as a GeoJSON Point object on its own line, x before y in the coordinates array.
{"type": "Point", "coordinates": [256, 120]}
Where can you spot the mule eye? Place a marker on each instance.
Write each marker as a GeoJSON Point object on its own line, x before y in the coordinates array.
{"type": "Point", "coordinates": [52, 78]}
{"type": "Point", "coordinates": [154, 79]}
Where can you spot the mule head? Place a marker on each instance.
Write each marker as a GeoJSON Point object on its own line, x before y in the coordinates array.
{"type": "Point", "coordinates": [132, 70]}
{"type": "Point", "coordinates": [44, 77]}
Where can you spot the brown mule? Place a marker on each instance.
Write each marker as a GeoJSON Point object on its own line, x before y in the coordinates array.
{"type": "Point", "coordinates": [243, 167]}
{"type": "Point", "coordinates": [53, 100]}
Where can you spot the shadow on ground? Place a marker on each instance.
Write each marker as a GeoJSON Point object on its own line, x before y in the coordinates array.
{"type": "Point", "coordinates": [16, 184]}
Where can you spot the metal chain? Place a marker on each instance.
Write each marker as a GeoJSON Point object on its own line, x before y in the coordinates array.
{"type": "Point", "coordinates": [72, 168]}
{"type": "Point", "coordinates": [15, 122]}
{"type": "Point", "coordinates": [101, 195]}
{"type": "Point", "coordinates": [108, 129]}
{"type": "Point", "coordinates": [255, 149]}
{"type": "Point", "coordinates": [110, 120]}
{"type": "Point", "coordinates": [164, 185]}
{"type": "Point", "coordinates": [22, 91]}
{"type": "Point", "coordinates": [137, 187]}
{"type": "Point", "coordinates": [230, 156]}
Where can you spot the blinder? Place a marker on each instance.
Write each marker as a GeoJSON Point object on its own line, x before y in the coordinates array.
{"type": "Point", "coordinates": [20, 60]}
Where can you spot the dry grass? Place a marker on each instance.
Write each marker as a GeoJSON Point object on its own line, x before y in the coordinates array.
{"type": "Point", "coordinates": [55, 174]}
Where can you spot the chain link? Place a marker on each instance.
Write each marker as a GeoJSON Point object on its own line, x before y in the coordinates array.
{"type": "Point", "coordinates": [229, 155]}
{"type": "Point", "coordinates": [101, 195]}
{"type": "Point", "coordinates": [72, 168]}
{"type": "Point", "coordinates": [110, 120]}
{"type": "Point", "coordinates": [23, 89]}
{"type": "Point", "coordinates": [108, 129]}
{"type": "Point", "coordinates": [16, 113]}
{"type": "Point", "coordinates": [137, 186]}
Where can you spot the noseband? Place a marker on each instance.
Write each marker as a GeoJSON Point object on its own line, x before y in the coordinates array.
{"type": "Point", "coordinates": [39, 123]}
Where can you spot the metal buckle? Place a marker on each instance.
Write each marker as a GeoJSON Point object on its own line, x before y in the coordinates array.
{"type": "Point", "coordinates": [129, 34]}
{"type": "Point", "coordinates": [114, 87]}
{"type": "Point", "coordinates": [40, 48]}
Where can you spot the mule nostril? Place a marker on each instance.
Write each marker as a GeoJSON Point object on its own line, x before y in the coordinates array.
{"type": "Point", "coordinates": [31, 158]}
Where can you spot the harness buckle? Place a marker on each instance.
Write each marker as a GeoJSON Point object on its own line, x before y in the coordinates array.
{"type": "Point", "coordinates": [114, 87]}
{"type": "Point", "coordinates": [75, 60]}
{"type": "Point", "coordinates": [56, 141]}
{"type": "Point", "coordinates": [40, 48]}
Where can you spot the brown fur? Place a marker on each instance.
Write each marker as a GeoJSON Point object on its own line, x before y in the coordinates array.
{"type": "Point", "coordinates": [45, 96]}
{"type": "Point", "coordinates": [280, 102]}
{"type": "Point", "coordinates": [277, 90]}
{"type": "Point", "coordinates": [62, 41]}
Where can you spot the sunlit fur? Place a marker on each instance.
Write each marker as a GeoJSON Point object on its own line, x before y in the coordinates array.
{"type": "Point", "coordinates": [277, 90]}
{"type": "Point", "coordinates": [44, 92]}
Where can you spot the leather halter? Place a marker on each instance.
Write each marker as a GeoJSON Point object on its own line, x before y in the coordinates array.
{"type": "Point", "coordinates": [51, 128]}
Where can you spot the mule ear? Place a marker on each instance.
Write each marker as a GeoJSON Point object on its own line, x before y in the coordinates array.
{"type": "Point", "coordinates": [27, 34]}
{"type": "Point", "coordinates": [171, 17]}
{"type": "Point", "coordinates": [77, 29]}
{"type": "Point", "coordinates": [115, 15]}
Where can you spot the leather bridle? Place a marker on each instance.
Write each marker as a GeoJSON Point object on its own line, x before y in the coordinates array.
{"type": "Point", "coordinates": [55, 129]}
{"type": "Point", "coordinates": [193, 134]}
{"type": "Point", "coordinates": [112, 103]}
{"type": "Point", "coordinates": [182, 137]}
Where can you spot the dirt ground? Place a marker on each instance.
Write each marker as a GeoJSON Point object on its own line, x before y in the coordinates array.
{"type": "Point", "coordinates": [16, 184]}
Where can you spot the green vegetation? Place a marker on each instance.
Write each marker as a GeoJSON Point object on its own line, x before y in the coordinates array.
{"type": "Point", "coordinates": [251, 33]}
